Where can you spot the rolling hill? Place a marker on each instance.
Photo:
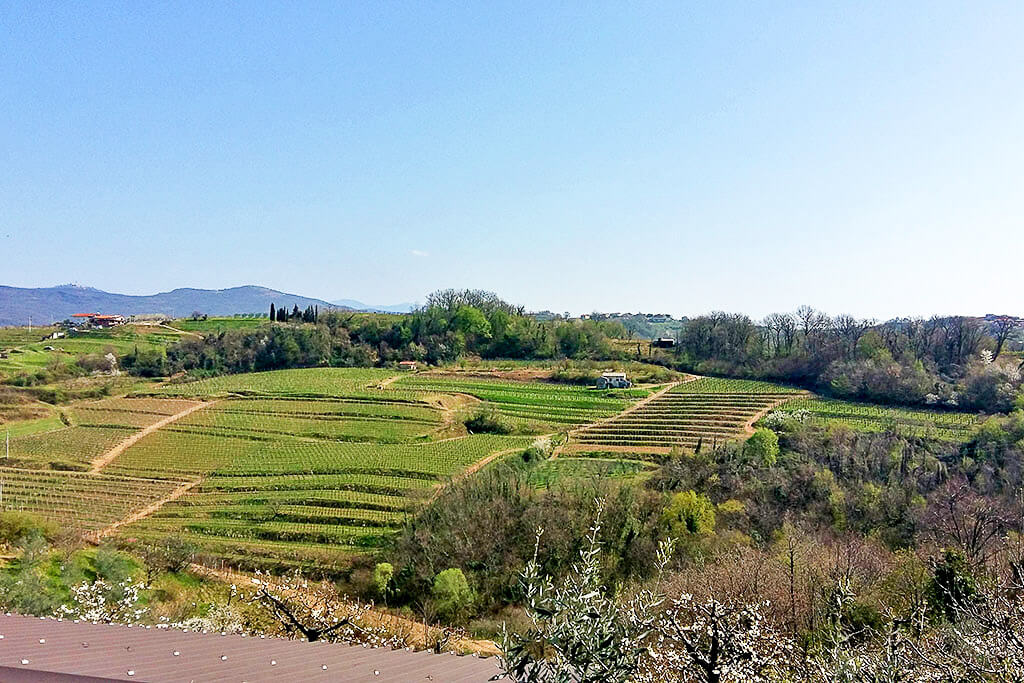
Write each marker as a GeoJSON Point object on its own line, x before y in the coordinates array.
{"type": "Point", "coordinates": [360, 306]}
{"type": "Point", "coordinates": [48, 304]}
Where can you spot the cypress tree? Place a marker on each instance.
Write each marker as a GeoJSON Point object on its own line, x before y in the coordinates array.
{"type": "Point", "coordinates": [273, 313]}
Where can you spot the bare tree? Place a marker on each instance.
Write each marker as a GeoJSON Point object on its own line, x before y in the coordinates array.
{"type": "Point", "coordinates": [850, 330]}
{"type": "Point", "coordinates": [718, 641]}
{"type": "Point", "coordinates": [314, 610]}
{"type": "Point", "coordinates": [1004, 326]}
{"type": "Point", "coordinates": [972, 524]}
{"type": "Point", "coordinates": [811, 322]}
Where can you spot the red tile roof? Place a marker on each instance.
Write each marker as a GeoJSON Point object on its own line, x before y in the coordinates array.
{"type": "Point", "coordinates": [33, 649]}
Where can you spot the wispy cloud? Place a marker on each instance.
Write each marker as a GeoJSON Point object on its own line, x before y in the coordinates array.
{"type": "Point", "coordinates": [420, 253]}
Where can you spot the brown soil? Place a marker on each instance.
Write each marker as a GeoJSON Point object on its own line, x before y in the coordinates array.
{"type": "Point", "coordinates": [517, 375]}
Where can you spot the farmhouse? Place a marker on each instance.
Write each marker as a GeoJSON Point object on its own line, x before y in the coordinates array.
{"type": "Point", "coordinates": [99, 319]}
{"type": "Point", "coordinates": [664, 343]}
{"type": "Point", "coordinates": [407, 365]}
{"type": "Point", "coordinates": [613, 380]}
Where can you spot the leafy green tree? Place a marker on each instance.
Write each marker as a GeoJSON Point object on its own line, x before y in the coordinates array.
{"type": "Point", "coordinates": [25, 587]}
{"type": "Point", "coordinates": [689, 514]}
{"type": "Point", "coordinates": [382, 576]}
{"type": "Point", "coordinates": [472, 323]}
{"type": "Point", "coordinates": [16, 526]}
{"type": "Point", "coordinates": [763, 446]}
{"type": "Point", "coordinates": [451, 592]}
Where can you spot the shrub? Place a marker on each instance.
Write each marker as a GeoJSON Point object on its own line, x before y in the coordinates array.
{"type": "Point", "coordinates": [763, 446]}
{"type": "Point", "coordinates": [15, 526]}
{"type": "Point", "coordinates": [382, 575]}
{"type": "Point", "coordinates": [452, 594]}
{"type": "Point", "coordinates": [689, 514]}
{"type": "Point", "coordinates": [489, 422]}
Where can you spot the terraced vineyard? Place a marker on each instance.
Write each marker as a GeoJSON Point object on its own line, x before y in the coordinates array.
{"type": "Point", "coordinates": [321, 499]}
{"type": "Point", "coordinates": [707, 410]}
{"type": "Point", "coordinates": [313, 383]}
{"type": "Point", "coordinates": [97, 427]}
{"type": "Point", "coordinates": [79, 500]}
{"type": "Point", "coordinates": [536, 406]}
{"type": "Point", "coordinates": [864, 417]}
{"type": "Point", "coordinates": [290, 467]}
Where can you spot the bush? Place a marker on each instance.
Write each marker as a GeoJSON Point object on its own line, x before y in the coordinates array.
{"type": "Point", "coordinates": [452, 594]}
{"type": "Point", "coordinates": [489, 422]}
{"type": "Point", "coordinates": [16, 526]}
{"type": "Point", "coordinates": [382, 575]}
{"type": "Point", "coordinates": [689, 514]}
{"type": "Point", "coordinates": [763, 446]}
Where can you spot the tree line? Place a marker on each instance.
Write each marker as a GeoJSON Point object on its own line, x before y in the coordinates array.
{"type": "Point", "coordinates": [451, 325]}
{"type": "Point", "coordinates": [951, 361]}
{"type": "Point", "coordinates": [283, 315]}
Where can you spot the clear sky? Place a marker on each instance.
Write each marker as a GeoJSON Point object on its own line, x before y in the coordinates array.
{"type": "Point", "coordinates": [681, 157]}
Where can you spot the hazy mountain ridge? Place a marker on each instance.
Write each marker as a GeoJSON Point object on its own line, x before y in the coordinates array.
{"type": "Point", "coordinates": [50, 304]}
{"type": "Point", "coordinates": [360, 306]}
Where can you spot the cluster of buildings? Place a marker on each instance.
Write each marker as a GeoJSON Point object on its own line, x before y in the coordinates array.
{"type": "Point", "coordinates": [98, 319]}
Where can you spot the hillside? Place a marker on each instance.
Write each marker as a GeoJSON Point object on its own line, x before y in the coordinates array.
{"type": "Point", "coordinates": [47, 304]}
{"type": "Point", "coordinates": [360, 306]}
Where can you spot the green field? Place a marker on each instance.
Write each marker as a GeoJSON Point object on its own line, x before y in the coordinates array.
{"type": "Point", "coordinates": [94, 428]}
{"type": "Point", "coordinates": [27, 350]}
{"type": "Point", "coordinates": [535, 406]}
{"type": "Point", "coordinates": [25, 427]}
{"type": "Point", "coordinates": [218, 324]}
{"type": "Point", "coordinates": [324, 498]}
{"type": "Point", "coordinates": [310, 382]}
{"type": "Point", "coordinates": [551, 472]}
{"type": "Point", "coordinates": [867, 417]}
{"type": "Point", "coordinates": [290, 467]}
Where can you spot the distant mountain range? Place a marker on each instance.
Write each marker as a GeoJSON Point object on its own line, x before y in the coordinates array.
{"type": "Point", "coordinates": [51, 304]}
{"type": "Point", "coordinates": [360, 306]}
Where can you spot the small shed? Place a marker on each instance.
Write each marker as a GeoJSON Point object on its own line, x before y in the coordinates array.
{"type": "Point", "coordinates": [407, 365]}
{"type": "Point", "coordinates": [664, 343]}
{"type": "Point", "coordinates": [613, 380]}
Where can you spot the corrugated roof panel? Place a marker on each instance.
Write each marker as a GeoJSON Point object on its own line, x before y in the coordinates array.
{"type": "Point", "coordinates": [54, 649]}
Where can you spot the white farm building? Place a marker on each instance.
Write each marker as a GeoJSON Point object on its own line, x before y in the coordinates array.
{"type": "Point", "coordinates": [613, 380]}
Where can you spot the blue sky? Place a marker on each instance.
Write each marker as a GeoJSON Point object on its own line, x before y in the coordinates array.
{"type": "Point", "coordinates": [859, 157]}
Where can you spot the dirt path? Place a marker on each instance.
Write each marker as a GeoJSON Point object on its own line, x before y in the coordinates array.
{"type": "Point", "coordinates": [390, 380]}
{"type": "Point", "coordinates": [97, 536]}
{"type": "Point", "coordinates": [105, 459]}
{"type": "Point", "coordinates": [175, 329]}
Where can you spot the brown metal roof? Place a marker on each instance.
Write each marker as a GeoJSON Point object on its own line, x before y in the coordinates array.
{"type": "Point", "coordinates": [33, 649]}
